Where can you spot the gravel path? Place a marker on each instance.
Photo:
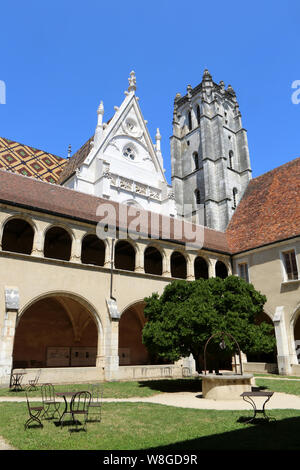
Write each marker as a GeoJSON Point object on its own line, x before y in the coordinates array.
{"type": "Point", "coordinates": [4, 445]}
{"type": "Point", "coordinates": [195, 400]}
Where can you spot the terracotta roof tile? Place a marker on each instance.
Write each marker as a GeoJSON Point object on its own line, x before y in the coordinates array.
{"type": "Point", "coordinates": [52, 198]}
{"type": "Point", "coordinates": [75, 161]}
{"type": "Point", "coordinates": [269, 210]}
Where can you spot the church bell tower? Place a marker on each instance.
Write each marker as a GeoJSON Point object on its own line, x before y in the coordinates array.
{"type": "Point", "coordinates": [209, 153]}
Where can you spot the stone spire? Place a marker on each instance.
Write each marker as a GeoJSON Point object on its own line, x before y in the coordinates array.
{"type": "Point", "coordinates": [132, 82]}
{"type": "Point", "coordinates": [157, 140]}
{"type": "Point", "coordinates": [99, 128]}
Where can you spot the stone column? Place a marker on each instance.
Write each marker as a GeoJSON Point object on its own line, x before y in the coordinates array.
{"type": "Point", "coordinates": [212, 267]}
{"type": "Point", "coordinates": [283, 355]}
{"type": "Point", "coordinates": [111, 341]}
{"type": "Point", "coordinates": [38, 244]}
{"type": "Point", "coordinates": [112, 359]}
{"type": "Point", "coordinates": [8, 334]}
{"type": "Point", "coordinates": [190, 268]}
{"type": "Point", "coordinates": [76, 248]}
{"type": "Point", "coordinates": [229, 267]}
{"type": "Point", "coordinates": [166, 262]}
{"type": "Point", "coordinates": [108, 252]}
{"type": "Point", "coordinates": [139, 258]}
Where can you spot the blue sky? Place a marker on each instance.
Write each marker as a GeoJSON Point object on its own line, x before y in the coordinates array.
{"type": "Point", "coordinates": [60, 58]}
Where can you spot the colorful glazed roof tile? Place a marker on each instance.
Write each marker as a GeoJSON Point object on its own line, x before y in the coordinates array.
{"type": "Point", "coordinates": [29, 161]}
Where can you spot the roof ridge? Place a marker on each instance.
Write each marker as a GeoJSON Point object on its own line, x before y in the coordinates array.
{"type": "Point", "coordinates": [30, 146]}
{"type": "Point", "coordinates": [276, 168]}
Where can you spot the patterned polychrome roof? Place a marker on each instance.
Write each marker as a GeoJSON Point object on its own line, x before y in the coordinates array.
{"type": "Point", "coordinates": [29, 161]}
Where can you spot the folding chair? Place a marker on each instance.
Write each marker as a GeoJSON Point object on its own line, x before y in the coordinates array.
{"type": "Point", "coordinates": [49, 401]}
{"type": "Point", "coordinates": [34, 413]}
{"type": "Point", "coordinates": [80, 406]}
{"type": "Point", "coordinates": [32, 384]}
{"type": "Point", "coordinates": [95, 406]}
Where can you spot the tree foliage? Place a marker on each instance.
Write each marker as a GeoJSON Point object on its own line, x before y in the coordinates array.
{"type": "Point", "coordinates": [187, 314]}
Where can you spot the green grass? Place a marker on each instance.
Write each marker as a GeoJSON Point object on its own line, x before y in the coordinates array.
{"type": "Point", "coordinates": [136, 426]}
{"type": "Point", "coordinates": [283, 386]}
{"type": "Point", "coordinates": [123, 389]}
{"type": "Point", "coordinates": [141, 426]}
{"type": "Point", "coordinates": [276, 376]}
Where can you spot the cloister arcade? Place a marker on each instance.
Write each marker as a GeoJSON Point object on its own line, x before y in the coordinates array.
{"type": "Point", "coordinates": [59, 242]}
{"type": "Point", "coordinates": [55, 264]}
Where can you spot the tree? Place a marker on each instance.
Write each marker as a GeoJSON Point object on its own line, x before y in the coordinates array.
{"type": "Point", "coordinates": [187, 314]}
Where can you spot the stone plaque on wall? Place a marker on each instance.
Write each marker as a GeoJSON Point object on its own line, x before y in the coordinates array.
{"type": "Point", "coordinates": [12, 300]}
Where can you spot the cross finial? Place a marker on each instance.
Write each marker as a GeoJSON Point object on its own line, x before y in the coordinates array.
{"type": "Point", "coordinates": [132, 81]}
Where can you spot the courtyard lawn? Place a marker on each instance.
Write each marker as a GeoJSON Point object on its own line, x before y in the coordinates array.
{"type": "Point", "coordinates": [145, 426]}
{"type": "Point", "coordinates": [142, 426]}
{"type": "Point", "coordinates": [149, 388]}
{"type": "Point", "coordinates": [277, 385]}
{"type": "Point", "coordinates": [122, 389]}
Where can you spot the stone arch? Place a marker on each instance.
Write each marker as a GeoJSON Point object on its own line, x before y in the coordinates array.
{"type": "Point", "coordinates": [58, 241]}
{"type": "Point", "coordinates": [178, 262]}
{"type": "Point", "coordinates": [153, 260]}
{"type": "Point", "coordinates": [57, 323]}
{"type": "Point", "coordinates": [93, 250]}
{"type": "Point", "coordinates": [20, 215]}
{"type": "Point", "coordinates": [125, 255]}
{"type": "Point", "coordinates": [18, 234]}
{"type": "Point", "coordinates": [201, 268]}
{"type": "Point", "coordinates": [131, 349]}
{"type": "Point", "coordinates": [221, 270]}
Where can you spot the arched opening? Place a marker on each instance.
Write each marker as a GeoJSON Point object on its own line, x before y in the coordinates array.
{"type": "Point", "coordinates": [196, 160]}
{"type": "Point", "coordinates": [57, 244]}
{"type": "Point", "coordinates": [18, 236]}
{"type": "Point", "coordinates": [190, 120]}
{"type": "Point", "coordinates": [131, 349]}
{"type": "Point", "coordinates": [221, 270]}
{"type": "Point", "coordinates": [197, 197]}
{"type": "Point", "coordinates": [124, 256]}
{"type": "Point", "coordinates": [153, 261]}
{"type": "Point", "coordinates": [55, 331]}
{"type": "Point", "coordinates": [201, 268]}
{"type": "Point", "coordinates": [234, 197]}
{"type": "Point", "coordinates": [178, 265]}
{"type": "Point", "coordinates": [93, 250]}
{"type": "Point", "coordinates": [198, 114]}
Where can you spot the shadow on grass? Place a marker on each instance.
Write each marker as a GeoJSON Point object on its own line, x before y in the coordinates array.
{"type": "Point", "coordinates": [181, 385]}
{"type": "Point", "coordinates": [174, 385]}
{"type": "Point", "coordinates": [259, 435]}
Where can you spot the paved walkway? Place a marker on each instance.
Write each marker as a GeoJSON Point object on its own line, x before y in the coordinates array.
{"type": "Point", "coordinates": [195, 400]}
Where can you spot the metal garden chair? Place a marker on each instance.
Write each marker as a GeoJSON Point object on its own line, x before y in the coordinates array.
{"type": "Point", "coordinates": [49, 401]}
{"type": "Point", "coordinates": [32, 384]}
{"type": "Point", "coordinates": [79, 407]}
{"type": "Point", "coordinates": [95, 406]}
{"type": "Point", "coordinates": [34, 413]}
